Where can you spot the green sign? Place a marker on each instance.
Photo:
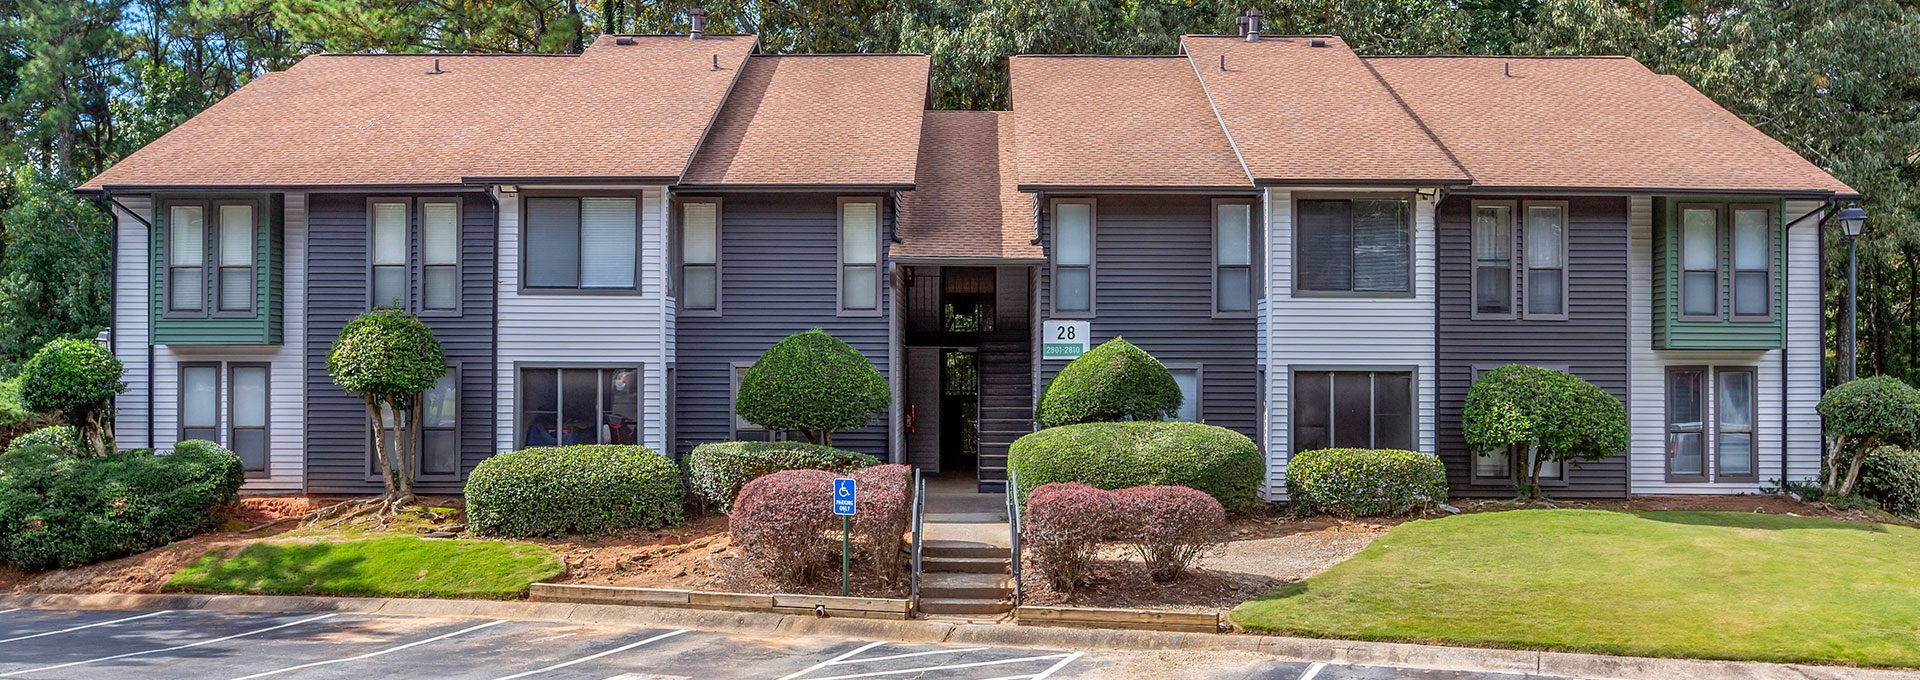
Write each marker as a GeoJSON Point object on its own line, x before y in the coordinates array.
{"type": "Point", "coordinates": [1063, 340]}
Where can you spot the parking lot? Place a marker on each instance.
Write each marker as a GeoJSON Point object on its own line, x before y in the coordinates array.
{"type": "Point", "coordinates": [203, 645]}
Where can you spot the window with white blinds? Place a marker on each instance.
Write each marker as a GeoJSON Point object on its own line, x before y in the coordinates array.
{"type": "Point", "coordinates": [1752, 231]}
{"type": "Point", "coordinates": [1233, 257]}
{"type": "Point", "coordinates": [700, 255]}
{"type": "Point", "coordinates": [439, 256]}
{"type": "Point", "coordinates": [212, 254]}
{"type": "Point", "coordinates": [237, 256]}
{"type": "Point", "coordinates": [582, 243]}
{"type": "Point", "coordinates": [388, 254]}
{"type": "Point", "coordinates": [860, 256]}
{"type": "Point", "coordinates": [187, 258]}
{"type": "Point", "coordinates": [1700, 261]}
{"type": "Point", "coordinates": [1073, 257]}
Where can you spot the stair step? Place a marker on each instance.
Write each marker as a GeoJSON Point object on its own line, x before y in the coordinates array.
{"type": "Point", "coordinates": [968, 565]}
{"type": "Point", "coordinates": [962, 549]}
{"type": "Point", "coordinates": [964, 606]}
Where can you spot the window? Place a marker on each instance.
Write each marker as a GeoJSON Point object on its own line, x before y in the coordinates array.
{"type": "Point", "coordinates": [860, 256]}
{"type": "Point", "coordinates": [439, 256]}
{"type": "Point", "coordinates": [1354, 246]}
{"type": "Point", "coordinates": [1233, 257]}
{"type": "Point", "coordinates": [581, 243]}
{"type": "Point", "coordinates": [700, 255]}
{"type": "Point", "coordinates": [1493, 260]}
{"type": "Point", "coordinates": [1189, 381]}
{"type": "Point", "coordinates": [1686, 424]}
{"type": "Point", "coordinates": [1352, 409]}
{"type": "Point", "coordinates": [1699, 261]}
{"type": "Point", "coordinates": [437, 452]}
{"type": "Point", "coordinates": [388, 255]}
{"type": "Point", "coordinates": [1072, 258]}
{"type": "Point", "coordinates": [568, 406]}
{"type": "Point", "coordinates": [244, 427]}
{"type": "Point", "coordinates": [1752, 233]}
{"type": "Point", "coordinates": [1736, 458]}
{"type": "Point", "coordinates": [743, 430]}
{"type": "Point", "coordinates": [1725, 396]}
{"type": "Point", "coordinates": [236, 247]}
{"type": "Point", "coordinates": [1546, 260]}
{"type": "Point", "coordinates": [211, 267]}
{"type": "Point", "coordinates": [187, 258]}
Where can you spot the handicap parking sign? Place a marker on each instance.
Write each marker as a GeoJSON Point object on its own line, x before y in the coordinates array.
{"type": "Point", "coordinates": [843, 496]}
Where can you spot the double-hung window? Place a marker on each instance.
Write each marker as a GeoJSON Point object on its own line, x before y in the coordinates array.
{"type": "Point", "coordinates": [187, 258]}
{"type": "Point", "coordinates": [388, 254]}
{"type": "Point", "coordinates": [1362, 246]}
{"type": "Point", "coordinates": [581, 243]}
{"type": "Point", "coordinates": [1530, 250]}
{"type": "Point", "coordinates": [700, 255]}
{"type": "Point", "coordinates": [236, 257]}
{"type": "Point", "coordinates": [1232, 258]}
{"type": "Point", "coordinates": [1700, 261]}
{"type": "Point", "coordinates": [1073, 234]}
{"type": "Point", "coordinates": [1711, 416]}
{"type": "Point", "coordinates": [1352, 409]}
{"type": "Point", "coordinates": [1546, 259]}
{"type": "Point", "coordinates": [1752, 235]}
{"type": "Point", "coordinates": [1493, 260]}
{"type": "Point", "coordinates": [439, 256]}
{"type": "Point", "coordinates": [569, 406]}
{"type": "Point", "coordinates": [394, 255]}
{"type": "Point", "coordinates": [860, 277]}
{"type": "Point", "coordinates": [227, 404]}
{"type": "Point", "coordinates": [212, 266]}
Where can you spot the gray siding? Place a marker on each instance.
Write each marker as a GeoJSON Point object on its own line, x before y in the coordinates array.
{"type": "Point", "coordinates": [1592, 342]}
{"type": "Point", "coordinates": [337, 442]}
{"type": "Point", "coordinates": [1153, 284]}
{"type": "Point", "coordinates": [779, 266]}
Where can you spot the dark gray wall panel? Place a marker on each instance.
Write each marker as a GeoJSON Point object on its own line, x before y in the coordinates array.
{"type": "Point", "coordinates": [337, 443]}
{"type": "Point", "coordinates": [779, 264]}
{"type": "Point", "coordinates": [1592, 342]}
{"type": "Point", "coordinates": [1153, 284]}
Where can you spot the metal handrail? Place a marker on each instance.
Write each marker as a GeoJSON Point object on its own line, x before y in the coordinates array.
{"type": "Point", "coordinates": [919, 523]}
{"type": "Point", "coordinates": [1013, 528]}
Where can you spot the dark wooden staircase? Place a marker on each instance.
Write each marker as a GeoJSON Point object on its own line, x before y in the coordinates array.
{"type": "Point", "coordinates": [1006, 400]}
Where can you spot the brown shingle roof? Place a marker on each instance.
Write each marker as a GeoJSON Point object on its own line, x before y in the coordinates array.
{"type": "Point", "coordinates": [371, 120]}
{"type": "Point", "coordinates": [849, 120]}
{"type": "Point", "coordinates": [1084, 121]}
{"type": "Point", "coordinates": [1305, 114]}
{"type": "Point", "coordinates": [1593, 123]}
{"type": "Point", "coordinates": [967, 204]}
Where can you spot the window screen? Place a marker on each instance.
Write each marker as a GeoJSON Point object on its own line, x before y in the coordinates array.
{"type": "Point", "coordinates": [439, 256]}
{"type": "Point", "coordinates": [1353, 409]}
{"type": "Point", "coordinates": [1360, 246]}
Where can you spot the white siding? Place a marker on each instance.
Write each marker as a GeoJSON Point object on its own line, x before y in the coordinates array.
{"type": "Point", "coordinates": [1647, 407]}
{"type": "Point", "coordinates": [599, 329]}
{"type": "Point", "coordinates": [1305, 333]}
{"type": "Point", "coordinates": [132, 291]}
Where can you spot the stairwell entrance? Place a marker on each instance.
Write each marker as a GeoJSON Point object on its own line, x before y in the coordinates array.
{"type": "Point", "coordinates": [967, 339]}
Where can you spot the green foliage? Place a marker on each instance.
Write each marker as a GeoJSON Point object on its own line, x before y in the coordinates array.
{"type": "Point", "coordinates": [61, 438]}
{"type": "Point", "coordinates": [57, 510]}
{"type": "Point", "coordinates": [15, 417]}
{"type": "Point", "coordinates": [76, 379]}
{"type": "Point", "coordinates": [1365, 482]}
{"type": "Point", "coordinates": [1556, 413]}
{"type": "Point", "coordinates": [388, 566]}
{"type": "Point", "coordinates": [1115, 381]}
{"type": "Point", "coordinates": [1859, 415]}
{"type": "Point", "coordinates": [813, 383]}
{"type": "Point", "coordinates": [592, 490]}
{"type": "Point", "coordinates": [1890, 476]}
{"type": "Point", "coordinates": [386, 354]}
{"type": "Point", "coordinates": [53, 276]}
{"type": "Point", "coordinates": [717, 470]}
{"type": "Point", "coordinates": [1215, 460]}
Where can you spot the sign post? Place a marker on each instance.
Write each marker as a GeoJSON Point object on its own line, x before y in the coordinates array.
{"type": "Point", "coordinates": [1062, 340]}
{"type": "Point", "coordinates": [843, 504]}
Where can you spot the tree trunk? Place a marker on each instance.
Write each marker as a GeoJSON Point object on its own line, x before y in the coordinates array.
{"type": "Point", "coordinates": [1832, 481]}
{"type": "Point", "coordinates": [1913, 311]}
{"type": "Point", "coordinates": [826, 437]}
{"type": "Point", "coordinates": [380, 446]}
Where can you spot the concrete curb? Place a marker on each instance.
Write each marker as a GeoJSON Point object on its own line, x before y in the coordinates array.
{"type": "Point", "coordinates": [1431, 657]}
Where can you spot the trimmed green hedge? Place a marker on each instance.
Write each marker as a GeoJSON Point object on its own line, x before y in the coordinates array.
{"type": "Point", "coordinates": [1115, 381]}
{"type": "Point", "coordinates": [812, 382]}
{"type": "Point", "coordinates": [1890, 476]}
{"type": "Point", "coordinates": [1220, 462]}
{"type": "Point", "coordinates": [1364, 482]}
{"type": "Point", "coordinates": [62, 437]}
{"type": "Point", "coordinates": [58, 510]}
{"type": "Point", "coordinates": [557, 490]}
{"type": "Point", "coordinates": [717, 470]}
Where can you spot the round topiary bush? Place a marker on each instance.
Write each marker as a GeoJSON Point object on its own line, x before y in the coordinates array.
{"type": "Point", "coordinates": [1220, 462]}
{"type": "Point", "coordinates": [78, 380]}
{"type": "Point", "coordinates": [813, 383]}
{"type": "Point", "coordinates": [1365, 482]}
{"type": "Point", "coordinates": [61, 437]}
{"type": "Point", "coordinates": [1115, 381]}
{"type": "Point", "coordinates": [1858, 415]}
{"type": "Point", "coordinates": [717, 470]}
{"type": "Point", "coordinates": [558, 490]}
{"type": "Point", "coordinates": [388, 357]}
{"type": "Point", "coordinates": [59, 511]}
{"type": "Point", "coordinates": [1555, 412]}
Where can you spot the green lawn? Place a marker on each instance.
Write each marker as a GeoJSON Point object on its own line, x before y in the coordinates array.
{"type": "Point", "coordinates": [396, 566]}
{"type": "Point", "coordinates": [1678, 584]}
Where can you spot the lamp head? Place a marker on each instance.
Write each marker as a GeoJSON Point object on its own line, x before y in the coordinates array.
{"type": "Point", "coordinates": [1852, 221]}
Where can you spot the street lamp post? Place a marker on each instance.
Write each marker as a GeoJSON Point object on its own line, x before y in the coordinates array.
{"type": "Point", "coordinates": [1852, 221]}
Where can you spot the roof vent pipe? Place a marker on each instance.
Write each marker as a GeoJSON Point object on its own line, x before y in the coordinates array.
{"type": "Point", "coordinates": [696, 23]}
{"type": "Point", "coordinates": [436, 68]}
{"type": "Point", "coordinates": [1250, 25]}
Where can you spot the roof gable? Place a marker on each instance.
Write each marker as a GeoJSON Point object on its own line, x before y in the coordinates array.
{"type": "Point", "coordinates": [845, 120]}
{"type": "Point", "coordinates": [1114, 122]}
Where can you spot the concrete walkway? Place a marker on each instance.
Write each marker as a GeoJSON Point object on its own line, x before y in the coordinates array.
{"type": "Point", "coordinates": [967, 557]}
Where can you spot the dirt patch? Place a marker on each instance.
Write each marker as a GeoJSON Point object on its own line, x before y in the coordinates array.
{"type": "Point", "coordinates": [257, 510]}
{"type": "Point", "coordinates": [698, 556]}
{"type": "Point", "coordinates": [146, 572]}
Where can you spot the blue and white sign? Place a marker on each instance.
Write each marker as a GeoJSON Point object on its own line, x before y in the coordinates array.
{"type": "Point", "coordinates": [843, 496]}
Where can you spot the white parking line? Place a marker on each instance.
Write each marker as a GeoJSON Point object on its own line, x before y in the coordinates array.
{"type": "Point", "coordinates": [1312, 670]}
{"type": "Point", "coordinates": [903, 656]}
{"type": "Point", "coordinates": [9, 611]}
{"type": "Point", "coordinates": [585, 659]}
{"type": "Point", "coordinates": [924, 669]}
{"type": "Point", "coordinates": [832, 661]}
{"type": "Point", "coordinates": [169, 649]}
{"type": "Point", "coordinates": [90, 625]}
{"type": "Point", "coordinates": [1043, 675]}
{"type": "Point", "coordinates": [370, 655]}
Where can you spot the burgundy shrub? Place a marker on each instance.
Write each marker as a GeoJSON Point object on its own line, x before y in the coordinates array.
{"type": "Point", "coordinates": [1170, 526]}
{"type": "Point", "coordinates": [779, 521]}
{"type": "Point", "coordinates": [1064, 525]}
{"type": "Point", "coordinates": [883, 511]}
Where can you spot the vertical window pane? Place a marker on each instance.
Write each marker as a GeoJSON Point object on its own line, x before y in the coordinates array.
{"type": "Point", "coordinates": [1686, 407]}
{"type": "Point", "coordinates": [1073, 237]}
{"type": "Point", "coordinates": [609, 230]}
{"type": "Point", "coordinates": [1750, 239]}
{"type": "Point", "coordinates": [1544, 295]}
{"type": "Point", "coordinates": [439, 233]}
{"type": "Point", "coordinates": [250, 446]}
{"type": "Point", "coordinates": [236, 289]}
{"type": "Point", "coordinates": [540, 394]}
{"type": "Point", "coordinates": [1699, 239]}
{"type": "Point", "coordinates": [249, 396]}
{"type": "Point", "coordinates": [1312, 422]}
{"type": "Point", "coordinates": [860, 287]}
{"type": "Point", "coordinates": [187, 289]}
{"type": "Point", "coordinates": [200, 397]}
{"type": "Point", "coordinates": [1735, 454]}
{"type": "Point", "coordinates": [1352, 411]}
{"type": "Point", "coordinates": [859, 233]}
{"type": "Point", "coordinates": [1736, 401]}
{"type": "Point", "coordinates": [236, 236]}
{"type": "Point", "coordinates": [1492, 235]}
{"type": "Point", "coordinates": [1687, 456]}
{"type": "Point", "coordinates": [1325, 248]}
{"type": "Point", "coordinates": [1492, 465]}
{"type": "Point", "coordinates": [1750, 293]}
{"type": "Point", "coordinates": [440, 452]}
{"type": "Point", "coordinates": [1393, 411]}
{"type": "Point", "coordinates": [1233, 234]}
{"type": "Point", "coordinates": [579, 406]}
{"type": "Point", "coordinates": [187, 245]}
{"type": "Point", "coordinates": [1546, 237]}
{"type": "Point", "coordinates": [1382, 247]}
{"type": "Point", "coordinates": [621, 413]}
{"type": "Point", "coordinates": [553, 242]}
{"type": "Point", "coordinates": [1189, 381]}
{"type": "Point", "coordinates": [700, 232]}
{"type": "Point", "coordinates": [1236, 289]}
{"type": "Point", "coordinates": [390, 233]}
{"type": "Point", "coordinates": [1073, 292]}
{"type": "Point", "coordinates": [440, 405]}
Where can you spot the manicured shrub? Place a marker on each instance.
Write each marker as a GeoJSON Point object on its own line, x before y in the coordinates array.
{"type": "Point", "coordinates": [1170, 527]}
{"type": "Point", "coordinates": [592, 490]}
{"type": "Point", "coordinates": [1560, 416]}
{"type": "Point", "coordinates": [389, 358]}
{"type": "Point", "coordinates": [882, 510]}
{"type": "Point", "coordinates": [1215, 460]}
{"type": "Point", "coordinates": [76, 379]}
{"type": "Point", "coordinates": [716, 471]}
{"type": "Point", "coordinates": [812, 383]}
{"type": "Point", "coordinates": [15, 418]}
{"type": "Point", "coordinates": [1365, 482]}
{"type": "Point", "coordinates": [1115, 381]}
{"type": "Point", "coordinates": [1890, 475]}
{"type": "Point", "coordinates": [1859, 415]}
{"type": "Point", "coordinates": [1062, 528]}
{"type": "Point", "coordinates": [779, 522]}
{"type": "Point", "coordinates": [58, 510]}
{"type": "Point", "coordinates": [60, 437]}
